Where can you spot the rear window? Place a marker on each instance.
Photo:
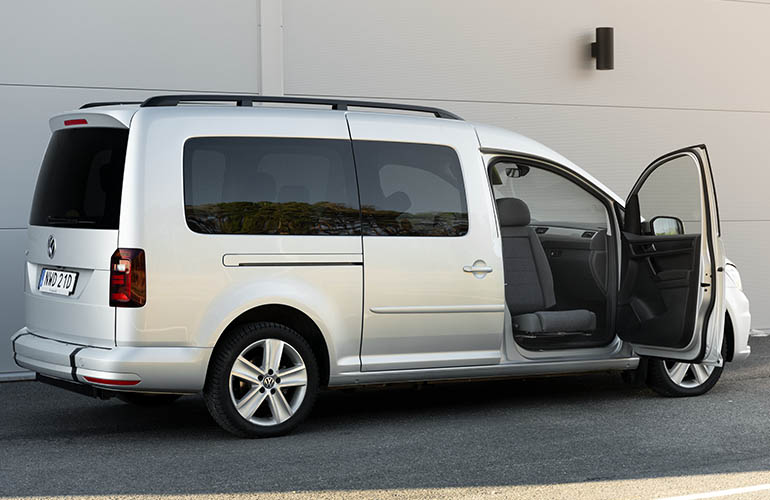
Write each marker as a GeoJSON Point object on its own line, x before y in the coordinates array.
{"type": "Point", "coordinates": [259, 185]}
{"type": "Point", "coordinates": [81, 179]}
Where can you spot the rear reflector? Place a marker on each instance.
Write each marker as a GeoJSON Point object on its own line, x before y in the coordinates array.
{"type": "Point", "coordinates": [77, 121]}
{"type": "Point", "coordinates": [128, 283]}
{"type": "Point", "coordinates": [111, 382]}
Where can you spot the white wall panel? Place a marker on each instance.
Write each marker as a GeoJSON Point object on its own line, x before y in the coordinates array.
{"type": "Point", "coordinates": [615, 144]}
{"type": "Point", "coordinates": [24, 120]}
{"type": "Point", "coordinates": [747, 244]}
{"type": "Point", "coordinates": [173, 44]}
{"type": "Point", "coordinates": [13, 242]}
{"type": "Point", "coordinates": [684, 53]}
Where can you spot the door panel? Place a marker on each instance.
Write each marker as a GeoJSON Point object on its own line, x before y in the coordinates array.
{"type": "Point", "coordinates": [659, 295]}
{"type": "Point", "coordinates": [433, 275]}
{"type": "Point", "coordinates": [577, 258]}
{"type": "Point", "coordinates": [671, 302]}
{"type": "Point", "coordinates": [422, 311]}
{"type": "Point", "coordinates": [578, 262]}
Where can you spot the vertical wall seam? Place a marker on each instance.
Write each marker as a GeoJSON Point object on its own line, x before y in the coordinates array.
{"type": "Point", "coordinates": [271, 67]}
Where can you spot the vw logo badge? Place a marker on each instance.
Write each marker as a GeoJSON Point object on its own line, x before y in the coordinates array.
{"type": "Point", "coordinates": [51, 246]}
{"type": "Point", "coordinates": [268, 382]}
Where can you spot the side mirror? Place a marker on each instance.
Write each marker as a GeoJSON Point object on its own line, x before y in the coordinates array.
{"type": "Point", "coordinates": [665, 225]}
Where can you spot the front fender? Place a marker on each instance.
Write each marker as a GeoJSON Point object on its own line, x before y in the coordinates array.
{"type": "Point", "coordinates": [740, 316]}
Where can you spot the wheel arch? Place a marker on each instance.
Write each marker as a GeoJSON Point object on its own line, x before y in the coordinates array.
{"type": "Point", "coordinates": [729, 334]}
{"type": "Point", "coordinates": [290, 317]}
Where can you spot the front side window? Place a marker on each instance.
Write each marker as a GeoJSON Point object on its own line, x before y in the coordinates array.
{"type": "Point", "coordinates": [670, 198]}
{"type": "Point", "coordinates": [410, 189]}
{"type": "Point", "coordinates": [552, 199]}
{"type": "Point", "coordinates": [259, 185]}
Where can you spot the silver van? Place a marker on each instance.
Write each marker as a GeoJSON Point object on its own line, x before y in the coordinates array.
{"type": "Point", "coordinates": [259, 249]}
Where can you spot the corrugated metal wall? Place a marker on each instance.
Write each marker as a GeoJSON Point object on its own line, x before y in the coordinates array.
{"type": "Point", "coordinates": [686, 72]}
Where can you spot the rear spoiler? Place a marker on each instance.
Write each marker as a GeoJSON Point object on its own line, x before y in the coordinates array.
{"type": "Point", "coordinates": [106, 118]}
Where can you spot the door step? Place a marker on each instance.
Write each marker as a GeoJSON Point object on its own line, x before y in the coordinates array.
{"type": "Point", "coordinates": [556, 340]}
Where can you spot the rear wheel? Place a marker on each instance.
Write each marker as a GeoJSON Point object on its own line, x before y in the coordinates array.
{"type": "Point", "coordinates": [262, 381]}
{"type": "Point", "coordinates": [680, 379]}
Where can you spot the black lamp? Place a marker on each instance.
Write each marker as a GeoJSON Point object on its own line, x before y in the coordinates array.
{"type": "Point", "coordinates": [603, 48]}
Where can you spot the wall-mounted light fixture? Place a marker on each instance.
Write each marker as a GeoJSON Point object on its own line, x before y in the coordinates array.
{"type": "Point", "coordinates": [603, 48]}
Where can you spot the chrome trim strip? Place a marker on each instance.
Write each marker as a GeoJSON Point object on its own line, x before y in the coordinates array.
{"type": "Point", "coordinates": [481, 308]}
{"type": "Point", "coordinates": [241, 260]}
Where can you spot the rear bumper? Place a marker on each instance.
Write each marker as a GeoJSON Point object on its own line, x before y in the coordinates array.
{"type": "Point", "coordinates": [141, 369]}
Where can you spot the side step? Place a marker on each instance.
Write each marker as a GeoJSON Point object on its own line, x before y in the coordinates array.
{"type": "Point", "coordinates": [557, 340]}
{"type": "Point", "coordinates": [551, 335]}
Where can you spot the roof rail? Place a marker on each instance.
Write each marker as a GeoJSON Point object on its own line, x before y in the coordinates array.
{"type": "Point", "coordinates": [114, 103]}
{"type": "Point", "coordinates": [248, 100]}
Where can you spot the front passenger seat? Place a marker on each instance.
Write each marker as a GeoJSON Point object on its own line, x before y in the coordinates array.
{"type": "Point", "coordinates": [528, 279]}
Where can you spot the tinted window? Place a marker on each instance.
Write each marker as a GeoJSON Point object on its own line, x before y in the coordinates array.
{"type": "Point", "coordinates": [81, 179]}
{"type": "Point", "coordinates": [410, 189]}
{"type": "Point", "coordinates": [250, 185]}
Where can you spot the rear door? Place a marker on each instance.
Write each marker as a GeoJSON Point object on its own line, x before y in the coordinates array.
{"type": "Point", "coordinates": [73, 231]}
{"type": "Point", "coordinates": [671, 302]}
{"type": "Point", "coordinates": [433, 273]}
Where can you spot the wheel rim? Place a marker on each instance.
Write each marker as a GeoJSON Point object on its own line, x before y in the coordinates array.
{"type": "Point", "coordinates": [688, 375]}
{"type": "Point", "coordinates": [268, 381]}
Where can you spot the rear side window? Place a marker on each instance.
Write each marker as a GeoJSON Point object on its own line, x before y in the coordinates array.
{"type": "Point", "coordinates": [410, 189]}
{"type": "Point", "coordinates": [81, 179]}
{"type": "Point", "coordinates": [258, 185]}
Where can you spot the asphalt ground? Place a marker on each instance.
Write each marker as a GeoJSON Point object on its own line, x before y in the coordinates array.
{"type": "Point", "coordinates": [588, 436]}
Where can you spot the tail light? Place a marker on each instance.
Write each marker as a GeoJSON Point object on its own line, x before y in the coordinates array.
{"type": "Point", "coordinates": [128, 282]}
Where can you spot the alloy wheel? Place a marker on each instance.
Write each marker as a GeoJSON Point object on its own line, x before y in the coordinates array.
{"type": "Point", "coordinates": [688, 375]}
{"type": "Point", "coordinates": [268, 382]}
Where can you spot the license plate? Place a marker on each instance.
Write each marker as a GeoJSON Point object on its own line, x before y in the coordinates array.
{"type": "Point", "coordinates": [57, 281]}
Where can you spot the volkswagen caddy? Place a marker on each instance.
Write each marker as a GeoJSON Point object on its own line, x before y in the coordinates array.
{"type": "Point", "coordinates": [259, 249]}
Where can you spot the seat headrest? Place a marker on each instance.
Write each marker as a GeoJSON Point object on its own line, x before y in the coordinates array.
{"type": "Point", "coordinates": [512, 212]}
{"type": "Point", "coordinates": [397, 202]}
{"type": "Point", "coordinates": [248, 185]}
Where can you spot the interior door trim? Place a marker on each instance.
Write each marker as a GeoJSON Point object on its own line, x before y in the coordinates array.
{"type": "Point", "coordinates": [699, 154]}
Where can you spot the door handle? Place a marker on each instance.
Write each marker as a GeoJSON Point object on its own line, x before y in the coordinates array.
{"type": "Point", "coordinates": [479, 269]}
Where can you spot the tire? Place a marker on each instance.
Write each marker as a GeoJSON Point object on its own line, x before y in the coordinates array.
{"type": "Point", "coordinates": [252, 393]}
{"type": "Point", "coordinates": [148, 400]}
{"type": "Point", "coordinates": [697, 379]}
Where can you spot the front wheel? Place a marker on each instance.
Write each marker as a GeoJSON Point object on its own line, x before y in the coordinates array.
{"type": "Point", "coordinates": [262, 380]}
{"type": "Point", "coordinates": [681, 379]}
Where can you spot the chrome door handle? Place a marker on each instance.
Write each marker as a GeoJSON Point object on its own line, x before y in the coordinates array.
{"type": "Point", "coordinates": [479, 269]}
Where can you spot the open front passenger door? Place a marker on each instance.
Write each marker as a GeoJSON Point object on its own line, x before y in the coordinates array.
{"type": "Point", "coordinates": [671, 300]}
